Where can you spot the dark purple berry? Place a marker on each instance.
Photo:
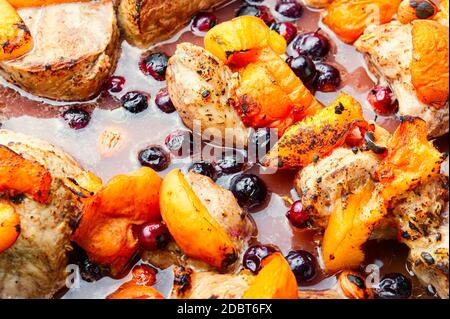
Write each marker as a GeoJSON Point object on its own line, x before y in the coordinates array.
{"type": "Point", "coordinates": [394, 286]}
{"type": "Point", "coordinates": [303, 265]}
{"type": "Point", "coordinates": [312, 44]}
{"type": "Point", "coordinates": [204, 168]}
{"type": "Point", "coordinates": [163, 101]}
{"type": "Point", "coordinates": [289, 8]}
{"type": "Point", "coordinates": [254, 255]}
{"type": "Point", "coordinates": [285, 29]}
{"type": "Point", "coordinates": [303, 67]}
{"type": "Point", "coordinates": [180, 143]}
{"type": "Point", "coordinates": [249, 190]}
{"type": "Point", "coordinates": [89, 270]}
{"type": "Point", "coordinates": [260, 142]}
{"type": "Point", "coordinates": [230, 164]}
{"type": "Point", "coordinates": [76, 118]}
{"type": "Point", "coordinates": [203, 22]}
{"type": "Point", "coordinates": [256, 11]}
{"type": "Point", "coordinates": [155, 64]}
{"type": "Point", "coordinates": [328, 78]}
{"type": "Point", "coordinates": [135, 102]}
{"type": "Point", "coordinates": [155, 157]}
{"type": "Point", "coordinates": [115, 84]}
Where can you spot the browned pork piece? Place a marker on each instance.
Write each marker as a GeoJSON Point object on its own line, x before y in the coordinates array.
{"type": "Point", "coordinates": [341, 172]}
{"type": "Point", "coordinates": [144, 22]}
{"type": "Point", "coordinates": [389, 50]}
{"type": "Point", "coordinates": [420, 213]}
{"type": "Point", "coordinates": [76, 48]}
{"type": "Point", "coordinates": [201, 88]}
{"type": "Point", "coordinates": [423, 221]}
{"type": "Point", "coordinates": [189, 284]}
{"type": "Point", "coordinates": [35, 265]}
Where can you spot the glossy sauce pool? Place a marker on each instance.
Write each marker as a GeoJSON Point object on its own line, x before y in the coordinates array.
{"type": "Point", "coordinates": [42, 119]}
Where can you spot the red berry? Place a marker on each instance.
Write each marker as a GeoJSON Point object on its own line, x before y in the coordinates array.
{"type": "Point", "coordinates": [163, 101]}
{"type": "Point", "coordinates": [297, 215]}
{"type": "Point", "coordinates": [203, 22]}
{"type": "Point", "coordinates": [153, 236]}
{"type": "Point", "coordinates": [285, 29]}
{"type": "Point", "coordinates": [115, 84]}
{"type": "Point", "coordinates": [382, 100]}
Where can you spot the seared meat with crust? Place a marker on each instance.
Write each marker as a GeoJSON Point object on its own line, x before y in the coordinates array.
{"type": "Point", "coordinates": [201, 88]}
{"type": "Point", "coordinates": [419, 213]}
{"type": "Point", "coordinates": [34, 267]}
{"type": "Point", "coordinates": [342, 171]}
{"type": "Point", "coordinates": [423, 222]}
{"type": "Point", "coordinates": [76, 48]}
{"type": "Point", "coordinates": [208, 285]}
{"type": "Point", "coordinates": [144, 22]}
{"type": "Point", "coordinates": [389, 51]}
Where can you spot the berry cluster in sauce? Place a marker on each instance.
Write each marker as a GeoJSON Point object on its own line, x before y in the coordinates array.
{"type": "Point", "coordinates": [136, 104]}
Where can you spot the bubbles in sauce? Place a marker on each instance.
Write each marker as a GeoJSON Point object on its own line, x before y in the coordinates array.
{"type": "Point", "coordinates": [41, 118]}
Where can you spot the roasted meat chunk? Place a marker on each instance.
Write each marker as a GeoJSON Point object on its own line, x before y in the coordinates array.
{"type": "Point", "coordinates": [75, 50]}
{"type": "Point", "coordinates": [35, 265]}
{"type": "Point", "coordinates": [413, 59]}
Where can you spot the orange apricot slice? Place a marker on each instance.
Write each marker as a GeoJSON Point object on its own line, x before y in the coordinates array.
{"type": "Point", "coordinates": [429, 64]}
{"type": "Point", "coordinates": [274, 281]}
{"type": "Point", "coordinates": [9, 226]}
{"type": "Point", "coordinates": [15, 38]}
{"type": "Point", "coordinates": [349, 18]}
{"type": "Point", "coordinates": [22, 176]}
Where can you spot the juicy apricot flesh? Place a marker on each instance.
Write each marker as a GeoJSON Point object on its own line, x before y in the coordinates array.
{"type": "Point", "coordinates": [411, 158]}
{"type": "Point", "coordinates": [15, 38]}
{"type": "Point", "coordinates": [317, 135]}
{"type": "Point", "coordinates": [349, 227]}
{"type": "Point", "coordinates": [22, 176]}
{"type": "Point", "coordinates": [105, 230]}
{"type": "Point", "coordinates": [191, 225]}
{"type": "Point", "coordinates": [239, 35]}
{"type": "Point", "coordinates": [349, 18]}
{"type": "Point", "coordinates": [274, 281]}
{"type": "Point", "coordinates": [429, 64]}
{"type": "Point", "coordinates": [9, 226]}
{"type": "Point", "coordinates": [271, 95]}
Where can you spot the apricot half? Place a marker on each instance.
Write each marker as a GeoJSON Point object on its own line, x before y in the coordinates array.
{"type": "Point", "coordinates": [429, 64]}
{"type": "Point", "coordinates": [240, 35]}
{"type": "Point", "coordinates": [316, 135]}
{"type": "Point", "coordinates": [105, 230]}
{"type": "Point", "coordinates": [9, 226]}
{"type": "Point", "coordinates": [274, 281]}
{"type": "Point", "coordinates": [349, 18]}
{"type": "Point", "coordinates": [23, 176]}
{"type": "Point", "coordinates": [192, 226]}
{"type": "Point", "coordinates": [15, 38]}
